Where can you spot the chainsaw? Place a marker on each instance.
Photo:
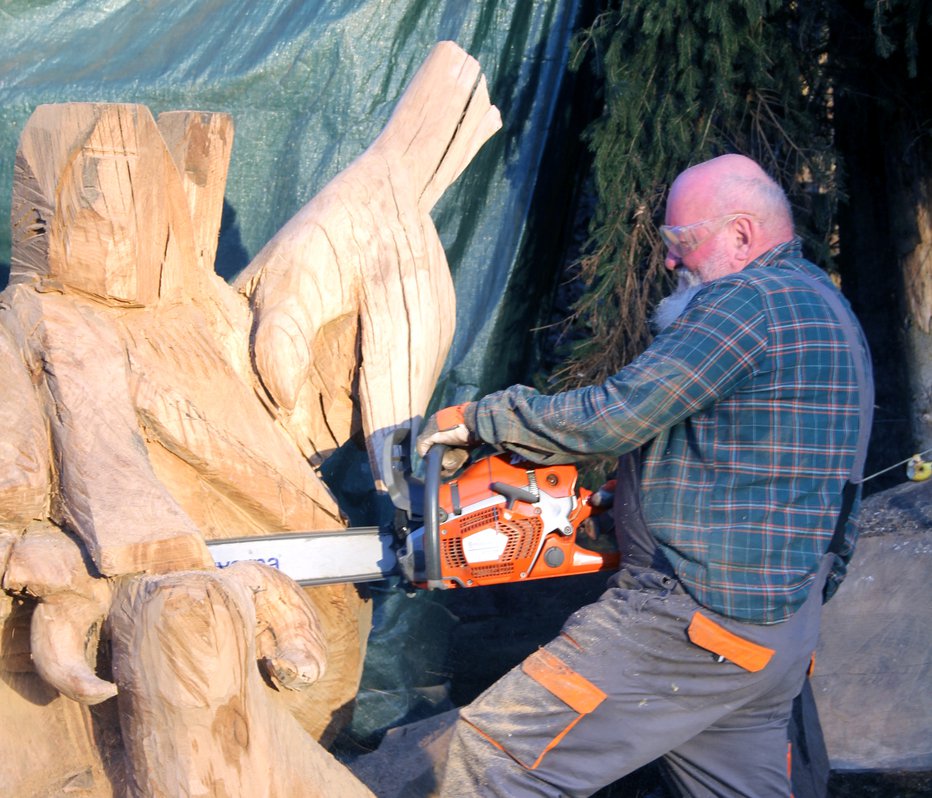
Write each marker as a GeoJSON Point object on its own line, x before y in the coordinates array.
{"type": "Point", "coordinates": [500, 520]}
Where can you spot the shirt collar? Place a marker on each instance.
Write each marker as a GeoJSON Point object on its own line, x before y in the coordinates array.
{"type": "Point", "coordinates": [788, 249]}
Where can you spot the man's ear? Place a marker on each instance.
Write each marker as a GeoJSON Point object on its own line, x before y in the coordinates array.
{"type": "Point", "coordinates": [743, 232]}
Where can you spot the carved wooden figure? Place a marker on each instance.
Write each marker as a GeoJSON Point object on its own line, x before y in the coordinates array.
{"type": "Point", "coordinates": [359, 273]}
{"type": "Point", "coordinates": [147, 406]}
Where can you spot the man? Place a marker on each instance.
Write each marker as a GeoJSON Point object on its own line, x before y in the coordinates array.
{"type": "Point", "coordinates": [738, 431]}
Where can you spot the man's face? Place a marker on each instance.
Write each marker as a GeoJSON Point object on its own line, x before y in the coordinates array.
{"type": "Point", "coordinates": [708, 240]}
{"type": "Point", "coordinates": [712, 257]}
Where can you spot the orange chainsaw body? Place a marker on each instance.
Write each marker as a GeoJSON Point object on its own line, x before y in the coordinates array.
{"type": "Point", "coordinates": [502, 521]}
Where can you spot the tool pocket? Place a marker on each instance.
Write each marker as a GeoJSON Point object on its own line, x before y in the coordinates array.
{"type": "Point", "coordinates": [528, 712]}
{"type": "Point", "coordinates": [707, 634]}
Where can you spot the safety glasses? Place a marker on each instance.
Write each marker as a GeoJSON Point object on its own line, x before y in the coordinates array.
{"type": "Point", "coordinates": [683, 239]}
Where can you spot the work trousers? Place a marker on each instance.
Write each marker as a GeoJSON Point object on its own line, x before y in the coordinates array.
{"type": "Point", "coordinates": [634, 677]}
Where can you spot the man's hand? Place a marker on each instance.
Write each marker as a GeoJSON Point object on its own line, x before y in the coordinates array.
{"type": "Point", "coordinates": [604, 497]}
{"type": "Point", "coordinates": [448, 428]}
{"type": "Point", "coordinates": [601, 501]}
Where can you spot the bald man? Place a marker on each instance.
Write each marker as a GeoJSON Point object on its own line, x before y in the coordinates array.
{"type": "Point", "coordinates": [740, 432]}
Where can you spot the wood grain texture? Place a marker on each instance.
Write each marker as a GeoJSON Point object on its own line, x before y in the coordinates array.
{"type": "Point", "coordinates": [47, 565]}
{"type": "Point", "coordinates": [360, 273]}
{"type": "Point", "coordinates": [146, 405]}
{"type": "Point", "coordinates": [107, 491]}
{"type": "Point", "coordinates": [25, 468]}
{"type": "Point", "coordinates": [200, 145]}
{"type": "Point", "coordinates": [89, 209]}
{"type": "Point", "coordinates": [209, 730]}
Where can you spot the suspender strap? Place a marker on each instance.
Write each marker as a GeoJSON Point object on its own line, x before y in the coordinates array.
{"type": "Point", "coordinates": [862, 370]}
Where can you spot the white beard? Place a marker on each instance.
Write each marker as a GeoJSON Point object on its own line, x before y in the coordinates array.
{"type": "Point", "coordinates": [670, 308]}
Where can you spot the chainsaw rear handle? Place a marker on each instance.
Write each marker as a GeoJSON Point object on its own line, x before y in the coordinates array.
{"type": "Point", "coordinates": [433, 463]}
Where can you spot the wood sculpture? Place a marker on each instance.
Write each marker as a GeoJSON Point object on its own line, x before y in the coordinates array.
{"type": "Point", "coordinates": [147, 406]}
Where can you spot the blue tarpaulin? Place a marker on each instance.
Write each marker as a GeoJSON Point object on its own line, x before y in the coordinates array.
{"type": "Point", "coordinates": [309, 85]}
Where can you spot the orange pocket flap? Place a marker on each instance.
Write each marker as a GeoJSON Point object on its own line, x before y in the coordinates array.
{"type": "Point", "coordinates": [573, 689]}
{"type": "Point", "coordinates": [707, 634]}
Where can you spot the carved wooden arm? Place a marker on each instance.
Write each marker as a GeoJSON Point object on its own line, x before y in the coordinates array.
{"type": "Point", "coordinates": [354, 292]}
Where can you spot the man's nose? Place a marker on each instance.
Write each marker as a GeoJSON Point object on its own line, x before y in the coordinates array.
{"type": "Point", "coordinates": [671, 261]}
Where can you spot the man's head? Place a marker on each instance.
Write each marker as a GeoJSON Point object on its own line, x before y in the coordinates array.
{"type": "Point", "coordinates": [723, 214]}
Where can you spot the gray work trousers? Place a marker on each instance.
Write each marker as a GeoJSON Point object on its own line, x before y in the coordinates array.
{"type": "Point", "coordinates": [624, 684]}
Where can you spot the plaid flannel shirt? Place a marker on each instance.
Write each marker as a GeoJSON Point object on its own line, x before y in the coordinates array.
{"type": "Point", "coordinates": [747, 409]}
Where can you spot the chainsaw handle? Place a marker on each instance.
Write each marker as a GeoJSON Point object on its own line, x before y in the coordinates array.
{"type": "Point", "coordinates": [433, 463]}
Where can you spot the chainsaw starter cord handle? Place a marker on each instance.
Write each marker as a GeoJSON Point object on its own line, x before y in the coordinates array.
{"type": "Point", "coordinates": [514, 494]}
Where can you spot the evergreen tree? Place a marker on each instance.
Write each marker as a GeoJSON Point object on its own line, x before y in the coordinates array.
{"type": "Point", "coordinates": [682, 82]}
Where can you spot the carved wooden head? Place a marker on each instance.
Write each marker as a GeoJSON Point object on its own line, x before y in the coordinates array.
{"type": "Point", "coordinates": [89, 203]}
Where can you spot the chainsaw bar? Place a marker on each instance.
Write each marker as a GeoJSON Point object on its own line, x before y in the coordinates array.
{"type": "Point", "coordinates": [357, 554]}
